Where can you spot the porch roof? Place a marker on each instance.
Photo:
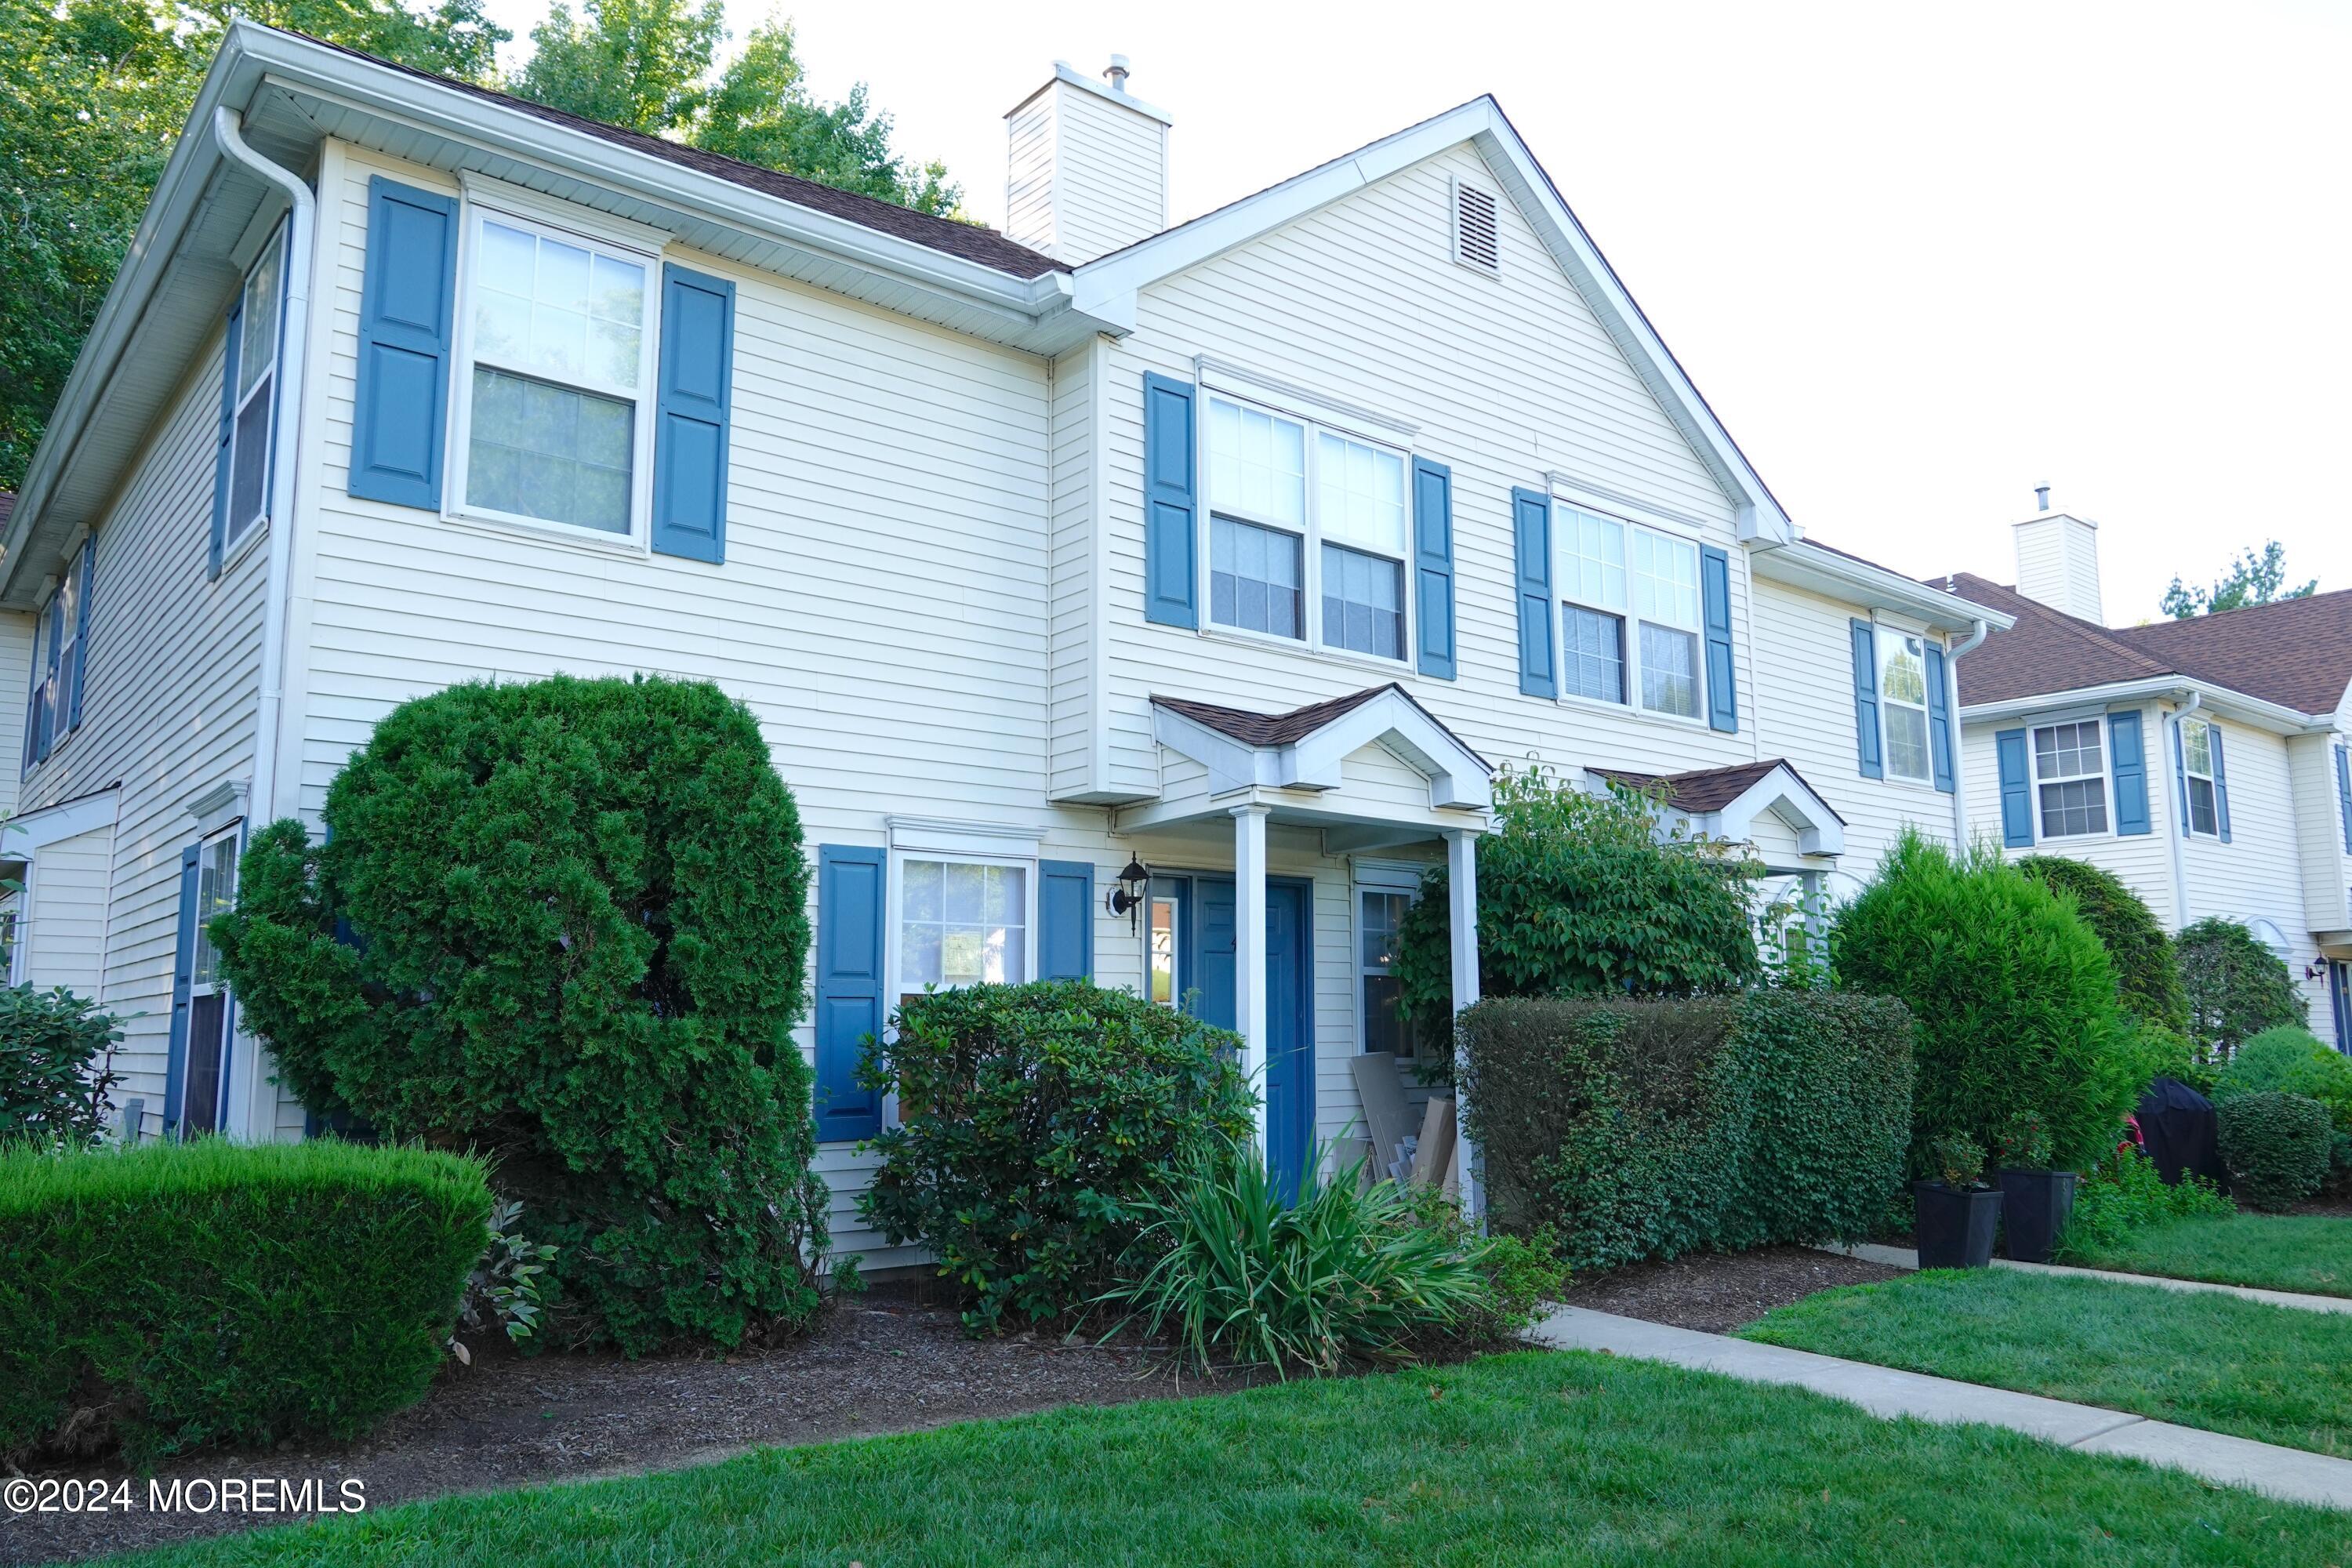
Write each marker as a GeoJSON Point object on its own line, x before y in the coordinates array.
{"type": "Point", "coordinates": [1725, 802]}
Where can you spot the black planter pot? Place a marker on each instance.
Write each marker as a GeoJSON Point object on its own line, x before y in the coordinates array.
{"type": "Point", "coordinates": [1956, 1225]}
{"type": "Point", "coordinates": [2033, 1209]}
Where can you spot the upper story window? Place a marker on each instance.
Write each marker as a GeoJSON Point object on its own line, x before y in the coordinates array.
{"type": "Point", "coordinates": [1307, 531]}
{"type": "Point", "coordinates": [2197, 759]}
{"type": "Point", "coordinates": [962, 922]}
{"type": "Point", "coordinates": [1903, 705]}
{"type": "Point", "coordinates": [252, 392]}
{"type": "Point", "coordinates": [1615, 576]}
{"type": "Point", "coordinates": [60, 659]}
{"type": "Point", "coordinates": [557, 388]}
{"type": "Point", "coordinates": [2070, 775]}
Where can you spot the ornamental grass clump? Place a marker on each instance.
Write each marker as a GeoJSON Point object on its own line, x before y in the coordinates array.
{"type": "Point", "coordinates": [565, 924]}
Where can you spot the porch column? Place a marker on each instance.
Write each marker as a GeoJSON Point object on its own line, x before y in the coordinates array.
{"type": "Point", "coordinates": [1462, 890]}
{"type": "Point", "coordinates": [1249, 953]}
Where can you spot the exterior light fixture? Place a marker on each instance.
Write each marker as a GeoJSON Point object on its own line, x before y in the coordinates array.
{"type": "Point", "coordinates": [1127, 897]}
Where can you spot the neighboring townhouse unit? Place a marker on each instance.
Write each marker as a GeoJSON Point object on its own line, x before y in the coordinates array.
{"type": "Point", "coordinates": [1237, 555]}
{"type": "Point", "coordinates": [2204, 761]}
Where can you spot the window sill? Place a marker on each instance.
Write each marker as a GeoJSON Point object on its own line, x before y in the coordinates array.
{"type": "Point", "coordinates": [1634, 711]}
{"type": "Point", "coordinates": [235, 553]}
{"type": "Point", "coordinates": [609, 547]}
{"type": "Point", "coordinates": [1387, 669]}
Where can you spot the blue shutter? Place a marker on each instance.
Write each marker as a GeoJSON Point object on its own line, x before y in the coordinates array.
{"type": "Point", "coordinates": [850, 896]}
{"type": "Point", "coordinates": [184, 973]}
{"type": "Point", "coordinates": [1065, 919]}
{"type": "Point", "coordinates": [408, 308]}
{"type": "Point", "coordinates": [81, 634]}
{"type": "Point", "coordinates": [2016, 792]}
{"type": "Point", "coordinates": [227, 431]}
{"type": "Point", "coordinates": [1433, 536]}
{"type": "Point", "coordinates": [2131, 773]}
{"type": "Point", "coordinates": [2220, 781]}
{"type": "Point", "coordinates": [1940, 716]}
{"type": "Point", "coordinates": [2344, 794]}
{"type": "Point", "coordinates": [690, 415]}
{"type": "Point", "coordinates": [1171, 528]}
{"type": "Point", "coordinates": [1866, 701]}
{"type": "Point", "coordinates": [1531, 536]}
{"type": "Point", "coordinates": [1722, 674]}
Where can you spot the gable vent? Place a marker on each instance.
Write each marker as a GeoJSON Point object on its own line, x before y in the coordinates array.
{"type": "Point", "coordinates": [1475, 243]}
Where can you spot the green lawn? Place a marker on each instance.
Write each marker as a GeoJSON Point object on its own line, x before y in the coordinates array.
{"type": "Point", "coordinates": [2279, 1375]}
{"type": "Point", "coordinates": [1531, 1459]}
{"type": "Point", "coordinates": [2275, 1252]}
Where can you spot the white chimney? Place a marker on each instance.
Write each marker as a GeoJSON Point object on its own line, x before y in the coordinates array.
{"type": "Point", "coordinates": [1088, 167]}
{"type": "Point", "coordinates": [2058, 560]}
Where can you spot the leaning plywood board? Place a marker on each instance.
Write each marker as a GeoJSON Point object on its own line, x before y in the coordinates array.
{"type": "Point", "coordinates": [1387, 1123]}
{"type": "Point", "coordinates": [1436, 1145]}
{"type": "Point", "coordinates": [1354, 1153]}
{"type": "Point", "coordinates": [1452, 1188]}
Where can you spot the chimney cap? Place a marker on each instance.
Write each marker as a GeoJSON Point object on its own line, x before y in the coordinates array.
{"type": "Point", "coordinates": [2042, 497]}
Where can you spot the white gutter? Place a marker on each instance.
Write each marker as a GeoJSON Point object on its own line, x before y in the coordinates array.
{"type": "Point", "coordinates": [2172, 825]}
{"type": "Point", "coordinates": [2275, 717]}
{"type": "Point", "coordinates": [1975, 637]}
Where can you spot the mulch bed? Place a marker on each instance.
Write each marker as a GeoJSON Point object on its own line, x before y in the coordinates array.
{"type": "Point", "coordinates": [1716, 1292]}
{"type": "Point", "coordinates": [892, 1361]}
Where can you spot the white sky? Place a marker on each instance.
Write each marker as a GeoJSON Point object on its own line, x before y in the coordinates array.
{"type": "Point", "coordinates": [1918, 258]}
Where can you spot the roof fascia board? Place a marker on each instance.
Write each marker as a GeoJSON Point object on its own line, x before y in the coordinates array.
{"type": "Point", "coordinates": [1821, 833]}
{"type": "Point", "coordinates": [2222, 699]}
{"type": "Point", "coordinates": [1801, 564]}
{"type": "Point", "coordinates": [36, 830]}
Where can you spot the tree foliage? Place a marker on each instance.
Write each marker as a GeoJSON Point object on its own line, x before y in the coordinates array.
{"type": "Point", "coordinates": [1578, 894]}
{"type": "Point", "coordinates": [565, 924]}
{"type": "Point", "coordinates": [648, 65]}
{"type": "Point", "coordinates": [2015, 996]}
{"type": "Point", "coordinates": [2251, 579]}
{"type": "Point", "coordinates": [2147, 970]}
{"type": "Point", "coordinates": [56, 1068]}
{"type": "Point", "coordinates": [2237, 987]}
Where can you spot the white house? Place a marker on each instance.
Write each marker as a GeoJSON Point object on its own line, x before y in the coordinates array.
{"type": "Point", "coordinates": [1247, 549]}
{"type": "Point", "coordinates": [2204, 761]}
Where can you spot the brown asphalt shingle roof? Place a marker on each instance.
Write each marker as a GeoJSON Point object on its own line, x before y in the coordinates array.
{"type": "Point", "coordinates": [1282, 728]}
{"type": "Point", "coordinates": [969, 241]}
{"type": "Point", "coordinates": [1703, 789]}
{"type": "Point", "coordinates": [2295, 652]}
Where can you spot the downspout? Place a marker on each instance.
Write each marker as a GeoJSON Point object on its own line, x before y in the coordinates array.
{"type": "Point", "coordinates": [1952, 656]}
{"type": "Point", "coordinates": [2172, 829]}
{"type": "Point", "coordinates": [258, 1098]}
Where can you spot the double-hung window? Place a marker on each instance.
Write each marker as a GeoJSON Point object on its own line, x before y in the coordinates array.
{"type": "Point", "coordinates": [1628, 612]}
{"type": "Point", "coordinates": [208, 998]}
{"type": "Point", "coordinates": [2070, 776]}
{"type": "Point", "coordinates": [962, 922]}
{"type": "Point", "coordinates": [2196, 761]}
{"type": "Point", "coordinates": [557, 387]}
{"type": "Point", "coordinates": [1380, 915]}
{"type": "Point", "coordinates": [1307, 531]}
{"type": "Point", "coordinates": [59, 659]}
{"type": "Point", "coordinates": [1903, 706]}
{"type": "Point", "coordinates": [253, 396]}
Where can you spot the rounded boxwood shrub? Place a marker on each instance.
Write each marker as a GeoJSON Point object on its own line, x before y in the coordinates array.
{"type": "Point", "coordinates": [2291, 1059]}
{"type": "Point", "coordinates": [56, 1067]}
{"type": "Point", "coordinates": [565, 924]}
{"type": "Point", "coordinates": [2275, 1147]}
{"type": "Point", "coordinates": [2013, 995]}
{"type": "Point", "coordinates": [1578, 895]}
{"type": "Point", "coordinates": [175, 1296]}
{"type": "Point", "coordinates": [2236, 986]}
{"type": "Point", "coordinates": [2147, 970]}
{"type": "Point", "coordinates": [1035, 1123]}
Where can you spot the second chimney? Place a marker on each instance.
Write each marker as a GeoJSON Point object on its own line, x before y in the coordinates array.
{"type": "Point", "coordinates": [2058, 560]}
{"type": "Point", "coordinates": [1088, 166]}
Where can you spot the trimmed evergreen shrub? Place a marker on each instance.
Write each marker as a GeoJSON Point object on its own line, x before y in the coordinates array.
{"type": "Point", "coordinates": [2147, 970]}
{"type": "Point", "coordinates": [2236, 986]}
{"type": "Point", "coordinates": [2015, 996]}
{"type": "Point", "coordinates": [2291, 1059]}
{"type": "Point", "coordinates": [2275, 1147]}
{"type": "Point", "coordinates": [1578, 895]}
{"type": "Point", "coordinates": [1036, 1123]}
{"type": "Point", "coordinates": [175, 1296]}
{"type": "Point", "coordinates": [1649, 1128]}
{"type": "Point", "coordinates": [565, 924]}
{"type": "Point", "coordinates": [56, 1067]}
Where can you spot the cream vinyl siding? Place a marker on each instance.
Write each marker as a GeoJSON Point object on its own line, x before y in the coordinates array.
{"type": "Point", "coordinates": [2319, 831]}
{"type": "Point", "coordinates": [1077, 563]}
{"type": "Point", "coordinates": [2143, 860]}
{"type": "Point", "coordinates": [168, 709]}
{"type": "Point", "coordinates": [64, 928]}
{"type": "Point", "coordinates": [15, 684]}
{"type": "Point", "coordinates": [2258, 874]}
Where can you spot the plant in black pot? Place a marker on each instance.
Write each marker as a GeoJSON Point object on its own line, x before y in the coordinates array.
{"type": "Point", "coordinates": [1955, 1213]}
{"type": "Point", "coordinates": [2034, 1199]}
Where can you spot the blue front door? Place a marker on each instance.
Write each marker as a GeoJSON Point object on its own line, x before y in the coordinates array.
{"type": "Point", "coordinates": [1206, 964]}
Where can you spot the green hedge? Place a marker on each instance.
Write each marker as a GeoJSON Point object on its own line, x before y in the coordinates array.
{"type": "Point", "coordinates": [1035, 1123]}
{"type": "Point", "coordinates": [181, 1296]}
{"type": "Point", "coordinates": [2275, 1147]}
{"type": "Point", "coordinates": [1644, 1128]}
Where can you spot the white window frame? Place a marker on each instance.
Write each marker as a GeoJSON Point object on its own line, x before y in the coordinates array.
{"type": "Point", "coordinates": [2104, 775]}
{"type": "Point", "coordinates": [232, 837]}
{"type": "Point", "coordinates": [894, 928]}
{"type": "Point", "coordinates": [1629, 623]}
{"type": "Point", "coordinates": [637, 540]}
{"type": "Point", "coordinates": [1311, 540]}
{"type": "Point", "coordinates": [1892, 642]}
{"type": "Point", "coordinates": [1391, 877]}
{"type": "Point", "coordinates": [235, 531]}
{"type": "Point", "coordinates": [2189, 776]}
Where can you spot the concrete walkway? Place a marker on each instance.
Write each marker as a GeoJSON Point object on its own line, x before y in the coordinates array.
{"type": "Point", "coordinates": [1904, 1258]}
{"type": "Point", "coordinates": [2289, 1473]}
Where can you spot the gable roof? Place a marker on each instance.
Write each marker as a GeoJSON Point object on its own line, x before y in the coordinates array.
{"type": "Point", "coordinates": [1106, 285]}
{"type": "Point", "coordinates": [1703, 789]}
{"type": "Point", "coordinates": [2295, 653]}
{"type": "Point", "coordinates": [1285, 729]}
